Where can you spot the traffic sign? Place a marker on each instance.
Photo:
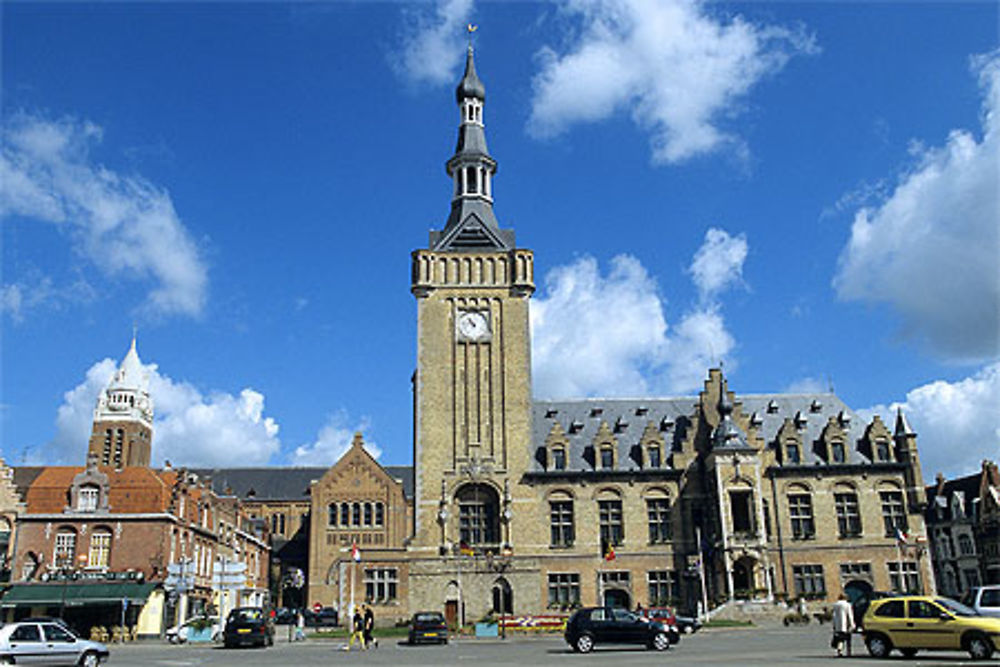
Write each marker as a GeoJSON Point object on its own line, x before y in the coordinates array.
{"type": "Point", "coordinates": [317, 607]}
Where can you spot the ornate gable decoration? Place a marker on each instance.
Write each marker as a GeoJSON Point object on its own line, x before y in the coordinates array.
{"type": "Point", "coordinates": [89, 490]}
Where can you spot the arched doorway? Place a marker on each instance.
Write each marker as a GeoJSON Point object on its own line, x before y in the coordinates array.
{"type": "Point", "coordinates": [616, 597]}
{"type": "Point", "coordinates": [453, 605]}
{"type": "Point", "coordinates": [858, 590]}
{"type": "Point", "coordinates": [743, 578]}
{"type": "Point", "coordinates": [503, 597]}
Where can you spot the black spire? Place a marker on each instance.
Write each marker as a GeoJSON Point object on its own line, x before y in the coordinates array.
{"type": "Point", "coordinates": [470, 85]}
{"type": "Point", "coordinates": [472, 226]}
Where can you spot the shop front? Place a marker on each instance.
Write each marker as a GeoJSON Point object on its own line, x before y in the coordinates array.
{"type": "Point", "coordinates": [126, 609]}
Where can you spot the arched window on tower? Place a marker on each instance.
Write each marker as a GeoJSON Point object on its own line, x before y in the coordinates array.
{"type": "Point", "coordinates": [379, 514]}
{"type": "Point", "coordinates": [356, 514]}
{"type": "Point", "coordinates": [368, 514]}
{"type": "Point", "coordinates": [345, 514]}
{"type": "Point", "coordinates": [119, 447]}
{"type": "Point", "coordinates": [332, 520]}
{"type": "Point", "coordinates": [471, 181]}
{"type": "Point", "coordinates": [106, 454]}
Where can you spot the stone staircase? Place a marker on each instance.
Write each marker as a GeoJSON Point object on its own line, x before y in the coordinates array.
{"type": "Point", "coordinates": [758, 612]}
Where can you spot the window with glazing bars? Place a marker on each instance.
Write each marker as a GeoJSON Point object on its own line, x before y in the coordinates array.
{"type": "Point", "coordinates": [658, 511]}
{"type": "Point", "coordinates": [663, 587]}
{"type": "Point", "coordinates": [893, 513]}
{"type": "Point", "coordinates": [380, 584]}
{"type": "Point", "coordinates": [801, 513]}
{"type": "Point", "coordinates": [477, 522]}
{"type": "Point", "coordinates": [809, 580]}
{"type": "Point", "coordinates": [610, 515]}
{"type": "Point", "coordinates": [848, 515]}
{"type": "Point", "coordinates": [561, 520]}
{"type": "Point", "coordinates": [564, 589]}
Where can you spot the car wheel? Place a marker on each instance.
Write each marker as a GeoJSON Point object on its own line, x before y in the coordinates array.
{"type": "Point", "coordinates": [908, 652]}
{"type": "Point", "coordinates": [979, 647]}
{"type": "Point", "coordinates": [688, 629]}
{"type": "Point", "coordinates": [879, 646]}
{"type": "Point", "coordinates": [90, 659]}
{"type": "Point", "coordinates": [584, 644]}
{"type": "Point", "coordinates": [661, 642]}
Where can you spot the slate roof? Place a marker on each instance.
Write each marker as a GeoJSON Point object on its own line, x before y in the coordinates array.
{"type": "Point", "coordinates": [628, 418]}
{"type": "Point", "coordinates": [283, 483]}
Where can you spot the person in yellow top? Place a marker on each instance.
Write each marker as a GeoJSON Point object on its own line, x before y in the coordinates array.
{"type": "Point", "coordinates": [357, 630]}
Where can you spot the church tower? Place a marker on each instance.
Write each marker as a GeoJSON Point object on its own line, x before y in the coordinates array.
{"type": "Point", "coordinates": [123, 418]}
{"type": "Point", "coordinates": [472, 386]}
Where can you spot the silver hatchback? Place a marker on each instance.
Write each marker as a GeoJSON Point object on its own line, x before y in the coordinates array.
{"type": "Point", "coordinates": [47, 642]}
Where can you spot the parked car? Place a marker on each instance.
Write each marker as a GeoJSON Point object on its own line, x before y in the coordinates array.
{"type": "Point", "coordinates": [984, 599]}
{"type": "Point", "coordinates": [284, 616]}
{"type": "Point", "coordinates": [915, 622]}
{"type": "Point", "coordinates": [591, 626]}
{"type": "Point", "coordinates": [428, 627]}
{"type": "Point", "coordinates": [48, 642]}
{"type": "Point", "coordinates": [667, 617]}
{"type": "Point", "coordinates": [687, 624]}
{"type": "Point", "coordinates": [327, 617]}
{"type": "Point", "coordinates": [178, 634]}
{"type": "Point", "coordinates": [860, 605]}
{"type": "Point", "coordinates": [248, 626]}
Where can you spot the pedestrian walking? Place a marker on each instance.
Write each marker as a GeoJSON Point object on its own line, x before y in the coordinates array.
{"type": "Point", "coordinates": [357, 630]}
{"type": "Point", "coordinates": [843, 626]}
{"type": "Point", "coordinates": [300, 626]}
{"type": "Point", "coordinates": [369, 627]}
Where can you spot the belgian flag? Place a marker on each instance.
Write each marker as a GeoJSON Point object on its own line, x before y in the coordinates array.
{"type": "Point", "coordinates": [607, 549]}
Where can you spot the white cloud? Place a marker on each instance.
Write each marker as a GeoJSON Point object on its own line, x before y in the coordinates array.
{"type": "Point", "coordinates": [676, 66]}
{"type": "Point", "coordinates": [808, 385]}
{"type": "Point", "coordinates": [957, 423]}
{"type": "Point", "coordinates": [932, 248]}
{"type": "Point", "coordinates": [190, 428]}
{"type": "Point", "coordinates": [718, 264]}
{"type": "Point", "coordinates": [125, 226]}
{"type": "Point", "coordinates": [332, 441]}
{"type": "Point", "coordinates": [432, 45]}
{"type": "Point", "coordinates": [607, 335]}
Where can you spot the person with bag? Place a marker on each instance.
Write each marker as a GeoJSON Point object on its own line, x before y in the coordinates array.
{"type": "Point", "coordinates": [843, 626]}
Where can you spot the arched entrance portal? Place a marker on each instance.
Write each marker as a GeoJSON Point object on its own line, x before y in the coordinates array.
{"type": "Point", "coordinates": [743, 578]}
{"type": "Point", "coordinates": [858, 590]}
{"type": "Point", "coordinates": [503, 597]}
{"type": "Point", "coordinates": [616, 597]}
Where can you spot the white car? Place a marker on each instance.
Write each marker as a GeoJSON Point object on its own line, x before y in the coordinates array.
{"type": "Point", "coordinates": [47, 642]}
{"type": "Point", "coordinates": [178, 634]}
{"type": "Point", "coordinates": [985, 600]}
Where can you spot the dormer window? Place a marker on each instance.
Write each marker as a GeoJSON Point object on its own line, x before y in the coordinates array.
{"type": "Point", "coordinates": [837, 453]}
{"type": "Point", "coordinates": [558, 458]}
{"type": "Point", "coordinates": [881, 450]}
{"type": "Point", "coordinates": [86, 500]}
{"type": "Point", "coordinates": [607, 458]}
{"type": "Point", "coordinates": [654, 457]}
{"type": "Point", "coordinates": [792, 453]}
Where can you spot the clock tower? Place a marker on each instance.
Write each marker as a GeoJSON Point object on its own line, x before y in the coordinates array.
{"type": "Point", "coordinates": [472, 386]}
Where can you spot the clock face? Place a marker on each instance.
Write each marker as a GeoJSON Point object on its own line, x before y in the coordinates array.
{"type": "Point", "coordinates": [473, 325]}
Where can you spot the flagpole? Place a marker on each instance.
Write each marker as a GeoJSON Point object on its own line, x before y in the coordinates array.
{"type": "Point", "coordinates": [701, 573]}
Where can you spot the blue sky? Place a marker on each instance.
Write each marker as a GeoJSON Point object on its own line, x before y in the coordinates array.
{"type": "Point", "coordinates": [806, 191]}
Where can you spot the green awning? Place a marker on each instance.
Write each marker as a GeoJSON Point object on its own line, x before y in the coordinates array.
{"type": "Point", "coordinates": [75, 594]}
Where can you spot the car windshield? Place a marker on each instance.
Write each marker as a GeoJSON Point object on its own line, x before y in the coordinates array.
{"type": "Point", "coordinates": [429, 618]}
{"type": "Point", "coordinates": [246, 615]}
{"type": "Point", "coordinates": [956, 608]}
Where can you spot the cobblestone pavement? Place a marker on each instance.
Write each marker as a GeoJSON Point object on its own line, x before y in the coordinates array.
{"type": "Point", "coordinates": [744, 646]}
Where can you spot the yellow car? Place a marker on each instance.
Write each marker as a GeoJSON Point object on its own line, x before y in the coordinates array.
{"type": "Point", "coordinates": [912, 622]}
